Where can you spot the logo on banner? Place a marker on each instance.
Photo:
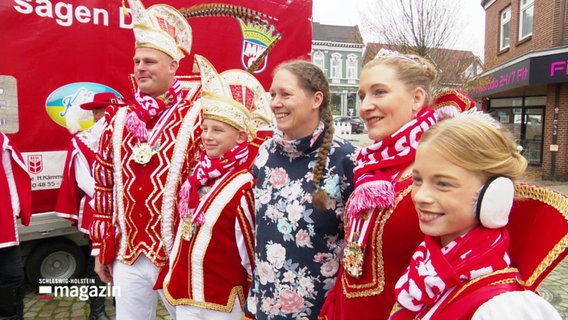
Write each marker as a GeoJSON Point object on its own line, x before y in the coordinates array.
{"type": "Point", "coordinates": [35, 163]}
{"type": "Point", "coordinates": [64, 103]}
{"type": "Point", "coordinates": [257, 38]}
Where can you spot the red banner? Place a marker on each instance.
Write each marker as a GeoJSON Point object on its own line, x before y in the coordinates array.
{"type": "Point", "coordinates": [53, 51]}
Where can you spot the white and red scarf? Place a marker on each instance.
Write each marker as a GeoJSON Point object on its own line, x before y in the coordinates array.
{"type": "Point", "coordinates": [378, 165]}
{"type": "Point", "coordinates": [204, 173]}
{"type": "Point", "coordinates": [148, 107]}
{"type": "Point", "coordinates": [434, 270]}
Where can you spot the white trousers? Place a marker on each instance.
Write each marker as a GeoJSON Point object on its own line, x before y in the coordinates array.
{"type": "Point", "coordinates": [185, 312]}
{"type": "Point", "coordinates": [137, 299]}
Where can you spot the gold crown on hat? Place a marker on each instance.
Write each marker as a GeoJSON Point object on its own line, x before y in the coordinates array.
{"type": "Point", "coordinates": [234, 97]}
{"type": "Point", "coordinates": [161, 27]}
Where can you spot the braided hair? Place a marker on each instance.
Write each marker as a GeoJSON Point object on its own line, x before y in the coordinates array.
{"type": "Point", "coordinates": [312, 79]}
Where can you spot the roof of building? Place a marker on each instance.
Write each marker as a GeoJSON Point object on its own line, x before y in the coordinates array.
{"type": "Point", "coordinates": [342, 34]}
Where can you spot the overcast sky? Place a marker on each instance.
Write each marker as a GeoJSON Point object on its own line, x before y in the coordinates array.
{"type": "Point", "coordinates": [343, 12]}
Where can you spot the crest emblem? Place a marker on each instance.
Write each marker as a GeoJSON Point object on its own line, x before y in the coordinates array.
{"type": "Point", "coordinates": [35, 163]}
{"type": "Point", "coordinates": [258, 39]}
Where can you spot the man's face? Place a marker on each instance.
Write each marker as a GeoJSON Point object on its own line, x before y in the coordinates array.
{"type": "Point", "coordinates": [154, 71]}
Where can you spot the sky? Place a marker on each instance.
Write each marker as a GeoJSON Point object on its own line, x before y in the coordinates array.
{"type": "Point", "coordinates": [345, 12]}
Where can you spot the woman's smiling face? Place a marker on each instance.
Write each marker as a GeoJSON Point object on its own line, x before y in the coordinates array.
{"type": "Point", "coordinates": [386, 102]}
{"type": "Point", "coordinates": [296, 110]}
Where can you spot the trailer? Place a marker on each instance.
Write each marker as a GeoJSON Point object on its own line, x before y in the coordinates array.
{"type": "Point", "coordinates": [55, 54]}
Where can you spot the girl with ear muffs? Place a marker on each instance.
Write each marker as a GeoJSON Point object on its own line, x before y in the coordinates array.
{"type": "Point", "coordinates": [463, 192]}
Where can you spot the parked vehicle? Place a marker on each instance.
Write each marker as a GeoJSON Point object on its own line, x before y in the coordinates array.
{"type": "Point", "coordinates": [357, 124]}
{"type": "Point", "coordinates": [57, 55]}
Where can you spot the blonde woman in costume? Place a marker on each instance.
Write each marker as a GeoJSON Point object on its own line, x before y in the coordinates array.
{"type": "Point", "coordinates": [381, 225]}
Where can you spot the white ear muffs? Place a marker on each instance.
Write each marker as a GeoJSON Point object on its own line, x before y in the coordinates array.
{"type": "Point", "coordinates": [494, 202]}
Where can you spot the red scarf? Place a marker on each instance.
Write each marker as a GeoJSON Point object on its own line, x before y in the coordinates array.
{"type": "Point", "coordinates": [205, 173]}
{"type": "Point", "coordinates": [378, 165]}
{"type": "Point", "coordinates": [434, 270]}
{"type": "Point", "coordinates": [148, 107]}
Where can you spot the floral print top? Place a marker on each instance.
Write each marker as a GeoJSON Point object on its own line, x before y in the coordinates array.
{"type": "Point", "coordinates": [297, 248]}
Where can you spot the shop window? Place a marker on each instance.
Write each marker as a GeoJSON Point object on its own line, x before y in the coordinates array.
{"type": "Point", "coordinates": [505, 29]}
{"type": "Point", "coordinates": [524, 118]}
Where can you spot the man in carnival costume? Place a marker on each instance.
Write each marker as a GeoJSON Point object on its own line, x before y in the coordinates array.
{"type": "Point", "coordinates": [15, 202]}
{"type": "Point", "coordinates": [145, 151]}
{"type": "Point", "coordinates": [78, 185]}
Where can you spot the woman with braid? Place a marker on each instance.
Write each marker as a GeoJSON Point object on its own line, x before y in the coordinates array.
{"type": "Point", "coordinates": [304, 178]}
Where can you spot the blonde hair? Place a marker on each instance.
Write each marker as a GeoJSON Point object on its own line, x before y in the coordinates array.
{"type": "Point", "coordinates": [477, 142]}
{"type": "Point", "coordinates": [312, 79]}
{"type": "Point", "coordinates": [412, 70]}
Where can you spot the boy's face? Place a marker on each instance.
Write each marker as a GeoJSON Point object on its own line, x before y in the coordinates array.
{"type": "Point", "coordinates": [219, 137]}
{"type": "Point", "coordinates": [444, 195]}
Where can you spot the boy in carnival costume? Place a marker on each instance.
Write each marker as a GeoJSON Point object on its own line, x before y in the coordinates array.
{"type": "Point", "coordinates": [212, 258]}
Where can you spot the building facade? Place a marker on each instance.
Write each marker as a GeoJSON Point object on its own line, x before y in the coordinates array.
{"type": "Point", "coordinates": [338, 51]}
{"type": "Point", "coordinates": [525, 83]}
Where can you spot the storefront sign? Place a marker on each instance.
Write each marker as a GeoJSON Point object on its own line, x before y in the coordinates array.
{"type": "Point", "coordinates": [536, 70]}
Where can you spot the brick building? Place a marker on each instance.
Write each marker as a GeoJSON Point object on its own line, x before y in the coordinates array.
{"type": "Point", "coordinates": [525, 83]}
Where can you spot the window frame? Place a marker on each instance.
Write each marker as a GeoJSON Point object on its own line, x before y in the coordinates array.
{"type": "Point", "coordinates": [319, 60]}
{"type": "Point", "coordinates": [503, 22]}
{"type": "Point", "coordinates": [351, 67]}
{"type": "Point", "coordinates": [529, 5]}
{"type": "Point", "coordinates": [335, 66]}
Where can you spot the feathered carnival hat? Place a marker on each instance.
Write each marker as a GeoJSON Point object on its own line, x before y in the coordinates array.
{"type": "Point", "coordinates": [234, 97]}
{"type": "Point", "coordinates": [161, 27]}
{"type": "Point", "coordinates": [451, 102]}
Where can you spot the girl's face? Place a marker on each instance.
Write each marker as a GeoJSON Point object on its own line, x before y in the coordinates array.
{"type": "Point", "coordinates": [386, 102]}
{"type": "Point", "coordinates": [219, 137]}
{"type": "Point", "coordinates": [444, 195]}
{"type": "Point", "coordinates": [295, 109]}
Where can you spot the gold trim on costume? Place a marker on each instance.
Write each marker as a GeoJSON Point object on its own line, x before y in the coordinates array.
{"type": "Point", "coordinates": [558, 202]}
{"type": "Point", "coordinates": [377, 283]}
{"type": "Point", "coordinates": [473, 281]}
